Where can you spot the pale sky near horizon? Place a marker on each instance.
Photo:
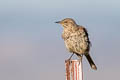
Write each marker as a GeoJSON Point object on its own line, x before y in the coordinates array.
{"type": "Point", "coordinates": [31, 47]}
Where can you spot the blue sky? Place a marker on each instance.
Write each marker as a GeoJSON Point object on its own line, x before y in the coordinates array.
{"type": "Point", "coordinates": [31, 47]}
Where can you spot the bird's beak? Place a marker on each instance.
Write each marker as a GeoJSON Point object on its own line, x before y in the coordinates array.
{"type": "Point", "coordinates": [57, 22]}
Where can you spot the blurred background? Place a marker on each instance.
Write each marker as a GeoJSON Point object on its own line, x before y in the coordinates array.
{"type": "Point", "coordinates": [31, 47]}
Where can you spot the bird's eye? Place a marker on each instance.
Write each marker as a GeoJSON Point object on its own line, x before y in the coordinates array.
{"type": "Point", "coordinates": [65, 22]}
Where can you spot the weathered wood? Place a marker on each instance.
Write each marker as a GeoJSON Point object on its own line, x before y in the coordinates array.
{"type": "Point", "coordinates": [74, 70]}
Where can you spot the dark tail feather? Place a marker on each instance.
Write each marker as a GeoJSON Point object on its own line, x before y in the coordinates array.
{"type": "Point", "coordinates": [93, 66]}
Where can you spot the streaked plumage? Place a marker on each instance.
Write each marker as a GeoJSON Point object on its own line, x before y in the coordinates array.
{"type": "Point", "coordinates": [76, 39]}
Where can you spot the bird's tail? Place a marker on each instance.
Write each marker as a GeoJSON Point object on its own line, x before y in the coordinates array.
{"type": "Point", "coordinates": [93, 66]}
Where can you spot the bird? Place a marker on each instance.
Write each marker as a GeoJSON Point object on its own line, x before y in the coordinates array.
{"type": "Point", "coordinates": [76, 40]}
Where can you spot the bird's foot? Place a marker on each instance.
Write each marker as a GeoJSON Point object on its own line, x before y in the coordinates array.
{"type": "Point", "coordinates": [68, 59]}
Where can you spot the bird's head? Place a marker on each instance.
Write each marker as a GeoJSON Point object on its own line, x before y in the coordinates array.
{"type": "Point", "coordinates": [67, 22]}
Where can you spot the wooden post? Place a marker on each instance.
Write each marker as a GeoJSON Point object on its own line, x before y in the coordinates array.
{"type": "Point", "coordinates": [74, 69]}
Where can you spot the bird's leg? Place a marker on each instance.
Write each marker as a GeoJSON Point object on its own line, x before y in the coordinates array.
{"type": "Point", "coordinates": [81, 57]}
{"type": "Point", "coordinates": [71, 56]}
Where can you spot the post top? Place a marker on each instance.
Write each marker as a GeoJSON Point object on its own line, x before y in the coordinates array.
{"type": "Point", "coordinates": [75, 60]}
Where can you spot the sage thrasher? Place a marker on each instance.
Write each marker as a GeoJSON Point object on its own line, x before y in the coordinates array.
{"type": "Point", "coordinates": [76, 40]}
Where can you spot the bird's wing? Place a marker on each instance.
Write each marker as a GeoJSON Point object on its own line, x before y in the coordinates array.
{"type": "Point", "coordinates": [84, 30]}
